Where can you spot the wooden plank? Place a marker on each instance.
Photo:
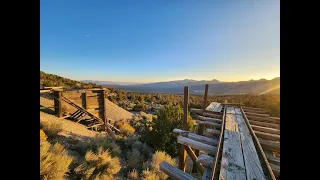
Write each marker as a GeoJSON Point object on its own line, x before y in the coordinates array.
{"type": "Point", "coordinates": [207, 174]}
{"type": "Point", "coordinates": [275, 169]}
{"type": "Point", "coordinates": [232, 164]}
{"type": "Point", "coordinates": [271, 158]}
{"type": "Point", "coordinates": [254, 111]}
{"type": "Point", "coordinates": [263, 119]}
{"type": "Point", "coordinates": [213, 132]}
{"type": "Point", "coordinates": [58, 103]}
{"type": "Point", "coordinates": [266, 166]}
{"type": "Point", "coordinates": [216, 166]}
{"type": "Point", "coordinates": [196, 137]}
{"type": "Point", "coordinates": [272, 145]}
{"type": "Point", "coordinates": [264, 124]}
{"type": "Point", "coordinates": [194, 159]}
{"type": "Point", "coordinates": [230, 110]}
{"type": "Point", "coordinates": [256, 114]}
{"type": "Point", "coordinates": [237, 111]}
{"type": "Point", "coordinates": [206, 160]}
{"type": "Point", "coordinates": [214, 107]}
{"type": "Point", "coordinates": [175, 172]}
{"type": "Point", "coordinates": [250, 156]}
{"type": "Point", "coordinates": [215, 120]}
{"type": "Point", "coordinates": [197, 145]}
{"type": "Point", "coordinates": [266, 129]}
{"type": "Point", "coordinates": [267, 136]}
{"type": "Point", "coordinates": [251, 108]}
{"type": "Point", "coordinates": [206, 113]}
{"type": "Point", "coordinates": [208, 124]}
{"type": "Point", "coordinates": [182, 151]}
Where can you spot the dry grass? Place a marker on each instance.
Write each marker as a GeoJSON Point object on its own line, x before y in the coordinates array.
{"type": "Point", "coordinates": [125, 128]}
{"type": "Point", "coordinates": [52, 127]}
{"type": "Point", "coordinates": [133, 175]}
{"type": "Point", "coordinates": [99, 166]}
{"type": "Point", "coordinates": [54, 161]}
{"type": "Point", "coordinates": [157, 159]}
{"type": "Point", "coordinates": [43, 136]}
{"type": "Point", "coordinates": [149, 175]}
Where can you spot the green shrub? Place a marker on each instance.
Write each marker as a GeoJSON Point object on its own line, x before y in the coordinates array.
{"type": "Point", "coordinates": [54, 161]}
{"type": "Point", "coordinates": [160, 135]}
{"type": "Point", "coordinates": [51, 127]}
{"type": "Point", "coordinates": [99, 166]}
{"type": "Point", "coordinates": [134, 159]}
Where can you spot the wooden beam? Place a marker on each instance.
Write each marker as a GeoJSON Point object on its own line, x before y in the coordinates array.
{"type": "Point", "coordinates": [194, 159]}
{"type": "Point", "coordinates": [272, 145]}
{"type": "Point", "coordinates": [201, 127]}
{"type": "Point", "coordinates": [263, 119]}
{"type": "Point", "coordinates": [58, 102]}
{"type": "Point", "coordinates": [214, 173]}
{"type": "Point", "coordinates": [207, 175]}
{"type": "Point", "coordinates": [264, 162]}
{"type": "Point", "coordinates": [251, 108]}
{"type": "Point", "coordinates": [250, 155]}
{"type": "Point", "coordinates": [86, 99]}
{"type": "Point", "coordinates": [264, 124]}
{"type": "Point", "coordinates": [206, 113]}
{"type": "Point", "coordinates": [267, 136]}
{"type": "Point", "coordinates": [206, 160]}
{"type": "Point", "coordinates": [206, 123]}
{"type": "Point", "coordinates": [182, 151]}
{"type": "Point", "coordinates": [266, 129]}
{"type": "Point", "coordinates": [197, 145]}
{"type": "Point", "coordinates": [104, 108]}
{"type": "Point", "coordinates": [213, 132]}
{"type": "Point", "coordinates": [271, 158]}
{"type": "Point", "coordinates": [275, 169]}
{"type": "Point", "coordinates": [175, 172]}
{"type": "Point", "coordinates": [256, 114]}
{"type": "Point", "coordinates": [203, 139]}
{"type": "Point", "coordinates": [215, 120]}
{"type": "Point", "coordinates": [254, 111]}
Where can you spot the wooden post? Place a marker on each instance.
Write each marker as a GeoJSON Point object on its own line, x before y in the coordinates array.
{"type": "Point", "coordinates": [57, 102]}
{"type": "Point", "coordinates": [182, 153]}
{"type": "Point", "coordinates": [86, 100]}
{"type": "Point", "coordinates": [104, 108]}
{"type": "Point", "coordinates": [201, 126]}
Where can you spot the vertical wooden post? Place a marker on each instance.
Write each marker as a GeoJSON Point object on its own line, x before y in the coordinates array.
{"type": "Point", "coordinates": [201, 126]}
{"type": "Point", "coordinates": [183, 153]}
{"type": "Point", "coordinates": [86, 100]}
{"type": "Point", "coordinates": [104, 108]}
{"type": "Point", "coordinates": [57, 102]}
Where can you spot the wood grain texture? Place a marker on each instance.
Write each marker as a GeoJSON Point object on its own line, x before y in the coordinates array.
{"type": "Point", "coordinates": [197, 145]}
{"type": "Point", "coordinates": [263, 119]}
{"type": "Point", "coordinates": [206, 123]}
{"type": "Point", "coordinates": [196, 137]}
{"type": "Point", "coordinates": [271, 158]}
{"type": "Point", "coordinates": [206, 160]}
{"type": "Point", "coordinates": [214, 107]}
{"type": "Point", "coordinates": [271, 145]}
{"type": "Point", "coordinates": [267, 136]}
{"type": "Point", "coordinates": [256, 114]}
{"type": "Point", "coordinates": [266, 129]}
{"type": "Point", "coordinates": [207, 174]}
{"type": "Point", "coordinates": [215, 120]}
{"type": "Point", "coordinates": [264, 124]}
{"type": "Point", "coordinates": [251, 159]}
{"type": "Point", "coordinates": [212, 132]}
{"type": "Point", "coordinates": [175, 172]}
{"type": "Point", "coordinates": [230, 110]}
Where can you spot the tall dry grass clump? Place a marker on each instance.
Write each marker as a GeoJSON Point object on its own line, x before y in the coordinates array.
{"type": "Point", "coordinates": [98, 166]}
{"type": "Point", "coordinates": [133, 175]}
{"type": "Point", "coordinates": [54, 161]}
{"type": "Point", "coordinates": [125, 128]}
{"type": "Point", "coordinates": [52, 127]}
{"type": "Point", "coordinates": [43, 136]}
{"type": "Point", "coordinates": [153, 171]}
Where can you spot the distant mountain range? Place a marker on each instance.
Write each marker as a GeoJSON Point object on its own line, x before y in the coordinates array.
{"type": "Point", "coordinates": [109, 82]}
{"type": "Point", "coordinates": [216, 87]}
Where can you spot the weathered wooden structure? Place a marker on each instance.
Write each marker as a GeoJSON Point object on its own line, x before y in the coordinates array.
{"type": "Point", "coordinates": [232, 142]}
{"type": "Point", "coordinates": [87, 106]}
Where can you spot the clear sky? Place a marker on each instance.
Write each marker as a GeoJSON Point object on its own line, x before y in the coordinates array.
{"type": "Point", "coordinates": [153, 40]}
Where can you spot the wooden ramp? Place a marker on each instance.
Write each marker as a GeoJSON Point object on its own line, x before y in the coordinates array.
{"type": "Point", "coordinates": [93, 122]}
{"type": "Point", "coordinates": [239, 157]}
{"type": "Point", "coordinates": [239, 143]}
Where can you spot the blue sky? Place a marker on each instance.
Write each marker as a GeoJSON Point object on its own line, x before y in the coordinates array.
{"type": "Point", "coordinates": [148, 41]}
